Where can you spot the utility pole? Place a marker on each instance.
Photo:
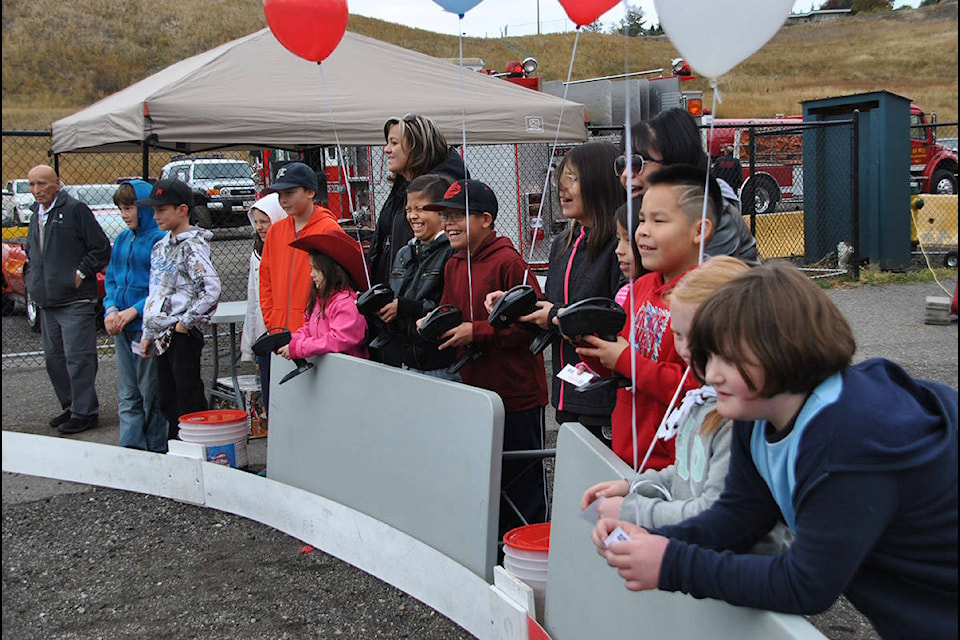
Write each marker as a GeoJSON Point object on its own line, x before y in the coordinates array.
{"type": "Point", "coordinates": [538, 17]}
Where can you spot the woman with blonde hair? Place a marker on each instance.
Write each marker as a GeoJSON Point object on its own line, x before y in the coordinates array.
{"type": "Point", "coordinates": [414, 146]}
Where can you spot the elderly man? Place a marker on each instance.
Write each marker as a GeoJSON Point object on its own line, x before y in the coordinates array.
{"type": "Point", "coordinates": [66, 247]}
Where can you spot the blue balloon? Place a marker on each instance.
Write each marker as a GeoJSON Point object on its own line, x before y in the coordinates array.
{"type": "Point", "coordinates": [458, 7]}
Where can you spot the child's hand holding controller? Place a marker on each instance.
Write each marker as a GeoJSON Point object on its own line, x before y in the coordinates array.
{"type": "Point", "coordinates": [636, 554]}
{"type": "Point", "coordinates": [284, 351]}
{"type": "Point", "coordinates": [606, 352]}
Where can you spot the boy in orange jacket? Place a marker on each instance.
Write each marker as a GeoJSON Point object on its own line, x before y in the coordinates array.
{"type": "Point", "coordinates": [285, 271]}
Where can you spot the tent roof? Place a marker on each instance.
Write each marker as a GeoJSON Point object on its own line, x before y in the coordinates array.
{"type": "Point", "coordinates": [252, 92]}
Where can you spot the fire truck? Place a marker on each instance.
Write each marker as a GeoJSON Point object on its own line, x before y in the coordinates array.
{"type": "Point", "coordinates": [778, 157]}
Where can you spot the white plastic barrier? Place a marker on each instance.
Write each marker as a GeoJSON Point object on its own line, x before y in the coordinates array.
{"type": "Point", "coordinates": [420, 454]}
{"type": "Point", "coordinates": [587, 599]}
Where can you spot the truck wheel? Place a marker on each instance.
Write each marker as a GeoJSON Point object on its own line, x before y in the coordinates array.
{"type": "Point", "coordinates": [33, 312]}
{"type": "Point", "coordinates": [766, 195]}
{"type": "Point", "coordinates": [203, 217]}
{"type": "Point", "coordinates": [950, 260]}
{"type": "Point", "coordinates": [943, 182]}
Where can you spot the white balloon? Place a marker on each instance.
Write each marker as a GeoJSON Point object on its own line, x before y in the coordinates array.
{"type": "Point", "coordinates": [714, 36]}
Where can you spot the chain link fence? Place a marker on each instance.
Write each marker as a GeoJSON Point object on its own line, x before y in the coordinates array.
{"type": "Point", "coordinates": [774, 180]}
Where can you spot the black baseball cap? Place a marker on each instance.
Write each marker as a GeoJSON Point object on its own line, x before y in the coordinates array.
{"type": "Point", "coordinates": [169, 191]}
{"type": "Point", "coordinates": [479, 195]}
{"type": "Point", "coordinates": [295, 174]}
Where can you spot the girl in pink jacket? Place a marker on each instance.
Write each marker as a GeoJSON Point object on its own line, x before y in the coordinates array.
{"type": "Point", "coordinates": [332, 323]}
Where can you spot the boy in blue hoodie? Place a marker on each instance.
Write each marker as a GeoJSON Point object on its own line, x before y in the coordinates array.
{"type": "Point", "coordinates": [142, 425]}
{"type": "Point", "coordinates": [859, 460]}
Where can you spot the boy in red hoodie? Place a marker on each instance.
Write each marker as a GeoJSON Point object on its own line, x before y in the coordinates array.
{"type": "Point", "coordinates": [668, 237]}
{"type": "Point", "coordinates": [486, 262]}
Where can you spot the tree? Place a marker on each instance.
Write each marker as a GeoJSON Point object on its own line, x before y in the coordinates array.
{"type": "Point", "coordinates": [632, 23]}
{"type": "Point", "coordinates": [871, 6]}
{"type": "Point", "coordinates": [836, 4]}
{"type": "Point", "coordinates": [594, 27]}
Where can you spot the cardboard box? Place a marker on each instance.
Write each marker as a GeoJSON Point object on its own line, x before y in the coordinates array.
{"type": "Point", "coordinates": [250, 389]}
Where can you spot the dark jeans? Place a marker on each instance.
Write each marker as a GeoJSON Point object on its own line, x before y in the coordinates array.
{"type": "Point", "coordinates": [263, 367]}
{"type": "Point", "coordinates": [70, 350]}
{"type": "Point", "coordinates": [523, 481]}
{"type": "Point", "coordinates": [178, 376]}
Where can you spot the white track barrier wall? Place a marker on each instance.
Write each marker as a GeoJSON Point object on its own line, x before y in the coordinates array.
{"type": "Point", "coordinates": [585, 598]}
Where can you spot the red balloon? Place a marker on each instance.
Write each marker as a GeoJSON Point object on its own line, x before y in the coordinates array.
{"type": "Point", "coordinates": [311, 29]}
{"type": "Point", "coordinates": [584, 12]}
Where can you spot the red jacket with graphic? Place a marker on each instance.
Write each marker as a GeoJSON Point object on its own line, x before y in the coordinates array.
{"type": "Point", "coordinates": [506, 367]}
{"type": "Point", "coordinates": [658, 372]}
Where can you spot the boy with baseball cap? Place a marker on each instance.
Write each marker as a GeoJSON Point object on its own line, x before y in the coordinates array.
{"type": "Point", "coordinates": [284, 271]}
{"type": "Point", "coordinates": [183, 293]}
{"type": "Point", "coordinates": [487, 262]}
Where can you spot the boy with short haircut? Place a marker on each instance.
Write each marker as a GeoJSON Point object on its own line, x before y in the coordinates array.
{"type": "Point", "coordinates": [417, 280]}
{"type": "Point", "coordinates": [184, 292]}
{"type": "Point", "coordinates": [859, 460]}
{"type": "Point", "coordinates": [284, 271]}
{"type": "Point", "coordinates": [142, 424]}
{"type": "Point", "coordinates": [488, 262]}
{"type": "Point", "coordinates": [668, 237]}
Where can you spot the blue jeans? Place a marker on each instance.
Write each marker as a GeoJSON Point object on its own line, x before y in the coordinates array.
{"type": "Point", "coordinates": [142, 425]}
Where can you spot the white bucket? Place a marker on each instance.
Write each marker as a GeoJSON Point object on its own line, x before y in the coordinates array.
{"type": "Point", "coordinates": [526, 555]}
{"type": "Point", "coordinates": [222, 432]}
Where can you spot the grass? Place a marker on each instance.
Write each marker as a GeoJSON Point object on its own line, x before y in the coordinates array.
{"type": "Point", "coordinates": [61, 56]}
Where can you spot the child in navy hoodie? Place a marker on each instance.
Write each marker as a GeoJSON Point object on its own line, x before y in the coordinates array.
{"type": "Point", "coordinates": [485, 262]}
{"type": "Point", "coordinates": [860, 461]}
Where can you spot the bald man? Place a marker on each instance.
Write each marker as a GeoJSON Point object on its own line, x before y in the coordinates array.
{"type": "Point", "coordinates": [66, 248]}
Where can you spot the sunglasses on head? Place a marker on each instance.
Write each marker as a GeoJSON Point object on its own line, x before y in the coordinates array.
{"type": "Point", "coordinates": [636, 163]}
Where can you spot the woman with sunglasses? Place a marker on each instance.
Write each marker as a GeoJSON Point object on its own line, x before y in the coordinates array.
{"type": "Point", "coordinates": [583, 264]}
{"type": "Point", "coordinates": [672, 137]}
{"type": "Point", "coordinates": [414, 147]}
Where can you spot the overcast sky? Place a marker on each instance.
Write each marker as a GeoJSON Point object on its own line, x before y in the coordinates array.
{"type": "Point", "coordinates": [491, 18]}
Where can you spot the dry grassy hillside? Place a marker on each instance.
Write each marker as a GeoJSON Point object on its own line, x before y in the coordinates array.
{"type": "Point", "coordinates": [60, 56]}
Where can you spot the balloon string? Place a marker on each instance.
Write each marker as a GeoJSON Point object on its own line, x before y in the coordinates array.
{"type": "Point", "coordinates": [706, 185]}
{"type": "Point", "coordinates": [538, 223]}
{"type": "Point", "coordinates": [466, 192]}
{"type": "Point", "coordinates": [342, 163]}
{"type": "Point", "coordinates": [628, 154]}
{"type": "Point", "coordinates": [673, 403]}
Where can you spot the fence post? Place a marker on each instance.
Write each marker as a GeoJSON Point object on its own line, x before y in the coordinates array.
{"type": "Point", "coordinates": [855, 170]}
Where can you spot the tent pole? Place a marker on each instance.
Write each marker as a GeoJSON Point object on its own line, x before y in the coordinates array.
{"type": "Point", "coordinates": [145, 168]}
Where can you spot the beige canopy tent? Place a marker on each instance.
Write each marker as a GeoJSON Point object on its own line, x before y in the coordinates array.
{"type": "Point", "coordinates": [252, 92]}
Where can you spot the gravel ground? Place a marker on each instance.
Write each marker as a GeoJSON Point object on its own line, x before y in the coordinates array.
{"type": "Point", "coordinates": [85, 562]}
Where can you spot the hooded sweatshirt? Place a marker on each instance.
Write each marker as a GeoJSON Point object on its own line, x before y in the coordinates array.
{"type": "Point", "coordinates": [506, 367]}
{"type": "Point", "coordinates": [184, 286]}
{"type": "Point", "coordinates": [285, 272]}
{"type": "Point", "coordinates": [392, 231]}
{"type": "Point", "coordinates": [253, 325]}
{"type": "Point", "coordinates": [867, 481]}
{"type": "Point", "coordinates": [128, 275]}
